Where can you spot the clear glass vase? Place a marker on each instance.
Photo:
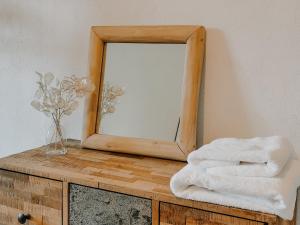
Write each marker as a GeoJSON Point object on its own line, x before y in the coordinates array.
{"type": "Point", "coordinates": [55, 141]}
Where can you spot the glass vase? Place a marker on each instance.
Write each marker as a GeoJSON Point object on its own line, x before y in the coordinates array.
{"type": "Point", "coordinates": [55, 141]}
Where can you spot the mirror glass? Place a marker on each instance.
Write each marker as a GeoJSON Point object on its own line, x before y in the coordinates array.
{"type": "Point", "coordinates": [141, 90]}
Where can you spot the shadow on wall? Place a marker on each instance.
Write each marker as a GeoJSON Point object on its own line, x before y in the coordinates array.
{"type": "Point", "coordinates": [222, 109]}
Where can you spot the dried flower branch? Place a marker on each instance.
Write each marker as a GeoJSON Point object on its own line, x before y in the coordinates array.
{"type": "Point", "coordinates": [59, 98]}
{"type": "Point", "coordinates": [109, 98]}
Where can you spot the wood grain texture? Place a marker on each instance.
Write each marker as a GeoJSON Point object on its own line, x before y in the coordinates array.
{"type": "Point", "coordinates": [144, 34]}
{"type": "Point", "coordinates": [194, 37]}
{"type": "Point", "coordinates": [155, 212]}
{"type": "Point", "coordinates": [129, 174]}
{"type": "Point", "coordinates": [65, 203]}
{"type": "Point", "coordinates": [177, 215]}
{"type": "Point", "coordinates": [95, 67]}
{"type": "Point", "coordinates": [187, 131]}
{"type": "Point", "coordinates": [41, 198]}
{"type": "Point", "coordinates": [100, 90]}
{"type": "Point", "coordinates": [140, 146]}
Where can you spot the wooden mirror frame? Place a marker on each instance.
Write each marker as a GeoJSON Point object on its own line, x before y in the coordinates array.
{"type": "Point", "coordinates": [194, 38]}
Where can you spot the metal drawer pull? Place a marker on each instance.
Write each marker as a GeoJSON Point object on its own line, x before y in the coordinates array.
{"type": "Point", "coordinates": [23, 217]}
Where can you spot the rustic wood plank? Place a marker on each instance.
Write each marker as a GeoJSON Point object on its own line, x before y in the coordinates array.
{"type": "Point", "coordinates": [39, 197]}
{"type": "Point", "coordinates": [187, 131]}
{"type": "Point", "coordinates": [95, 71]}
{"type": "Point", "coordinates": [155, 212]}
{"type": "Point", "coordinates": [65, 203]}
{"type": "Point", "coordinates": [140, 146]}
{"type": "Point", "coordinates": [145, 34]}
{"type": "Point", "coordinates": [129, 174]}
{"type": "Point", "coordinates": [177, 215]}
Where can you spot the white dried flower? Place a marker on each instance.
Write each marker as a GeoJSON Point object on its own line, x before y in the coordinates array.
{"type": "Point", "coordinates": [48, 78]}
{"type": "Point", "coordinates": [36, 105]}
{"type": "Point", "coordinates": [109, 98]}
{"type": "Point", "coordinates": [81, 86]}
{"type": "Point", "coordinates": [59, 99]}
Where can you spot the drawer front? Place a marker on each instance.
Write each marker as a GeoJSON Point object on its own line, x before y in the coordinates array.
{"type": "Point", "coordinates": [40, 198]}
{"type": "Point", "coordinates": [91, 206]}
{"type": "Point", "coordinates": [177, 215]}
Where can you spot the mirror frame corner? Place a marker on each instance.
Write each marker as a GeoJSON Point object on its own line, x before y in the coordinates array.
{"type": "Point", "coordinates": [194, 38]}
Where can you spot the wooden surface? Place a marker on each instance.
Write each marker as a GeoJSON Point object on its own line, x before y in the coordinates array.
{"type": "Point", "coordinates": [194, 37]}
{"type": "Point", "coordinates": [177, 215]}
{"type": "Point", "coordinates": [41, 198]}
{"type": "Point", "coordinates": [95, 66]}
{"type": "Point", "coordinates": [195, 52]}
{"type": "Point", "coordinates": [140, 146]}
{"type": "Point", "coordinates": [155, 212]}
{"type": "Point", "coordinates": [134, 175]}
{"type": "Point", "coordinates": [65, 203]}
{"type": "Point", "coordinates": [145, 34]}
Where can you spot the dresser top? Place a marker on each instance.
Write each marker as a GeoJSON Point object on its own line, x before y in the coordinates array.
{"type": "Point", "coordinates": [130, 174]}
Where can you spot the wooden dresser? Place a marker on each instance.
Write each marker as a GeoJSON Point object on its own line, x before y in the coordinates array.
{"type": "Point", "coordinates": [87, 187]}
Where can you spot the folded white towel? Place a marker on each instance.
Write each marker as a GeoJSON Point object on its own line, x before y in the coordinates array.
{"type": "Point", "coordinates": [264, 157]}
{"type": "Point", "coordinates": [275, 195]}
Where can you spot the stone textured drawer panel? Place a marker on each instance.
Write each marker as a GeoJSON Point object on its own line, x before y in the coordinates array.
{"type": "Point", "coordinates": [91, 206]}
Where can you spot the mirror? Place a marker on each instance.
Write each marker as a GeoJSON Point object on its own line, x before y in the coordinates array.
{"type": "Point", "coordinates": [146, 96]}
{"type": "Point", "coordinates": [141, 91]}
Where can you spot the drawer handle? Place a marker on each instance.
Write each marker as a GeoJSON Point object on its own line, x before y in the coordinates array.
{"type": "Point", "coordinates": [23, 217]}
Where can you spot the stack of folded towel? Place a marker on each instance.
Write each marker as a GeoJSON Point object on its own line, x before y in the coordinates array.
{"type": "Point", "coordinates": [259, 174]}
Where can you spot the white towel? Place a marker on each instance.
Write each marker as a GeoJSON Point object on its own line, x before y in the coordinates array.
{"type": "Point", "coordinates": [275, 195]}
{"type": "Point", "coordinates": [264, 157]}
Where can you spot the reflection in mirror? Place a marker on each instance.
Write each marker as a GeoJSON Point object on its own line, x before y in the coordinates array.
{"type": "Point", "coordinates": [141, 91]}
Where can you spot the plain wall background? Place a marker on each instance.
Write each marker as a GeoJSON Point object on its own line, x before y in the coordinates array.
{"type": "Point", "coordinates": [252, 73]}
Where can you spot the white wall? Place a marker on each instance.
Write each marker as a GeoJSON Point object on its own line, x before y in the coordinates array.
{"type": "Point", "coordinates": [252, 75]}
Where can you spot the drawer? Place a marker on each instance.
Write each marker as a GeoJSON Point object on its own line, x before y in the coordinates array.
{"type": "Point", "coordinates": [91, 206]}
{"type": "Point", "coordinates": [40, 198]}
{"type": "Point", "coordinates": [178, 215]}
